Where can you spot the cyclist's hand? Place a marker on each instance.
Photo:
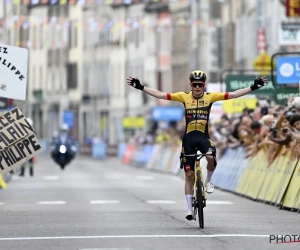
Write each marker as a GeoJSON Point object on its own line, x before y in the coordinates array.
{"type": "Point", "coordinates": [259, 83]}
{"type": "Point", "coordinates": [135, 82]}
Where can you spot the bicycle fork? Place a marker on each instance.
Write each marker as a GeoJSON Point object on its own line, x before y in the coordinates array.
{"type": "Point", "coordinates": [198, 168]}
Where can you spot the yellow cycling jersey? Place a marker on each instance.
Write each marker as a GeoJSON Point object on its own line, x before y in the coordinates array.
{"type": "Point", "coordinates": [197, 110]}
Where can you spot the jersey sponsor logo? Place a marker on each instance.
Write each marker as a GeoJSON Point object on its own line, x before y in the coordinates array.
{"type": "Point", "coordinates": [199, 116]}
{"type": "Point", "coordinates": [204, 112]}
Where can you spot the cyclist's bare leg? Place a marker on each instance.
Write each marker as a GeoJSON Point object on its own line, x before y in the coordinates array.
{"type": "Point", "coordinates": [189, 190]}
{"type": "Point", "coordinates": [210, 170]}
{"type": "Point", "coordinates": [189, 182]}
{"type": "Point", "coordinates": [210, 163]}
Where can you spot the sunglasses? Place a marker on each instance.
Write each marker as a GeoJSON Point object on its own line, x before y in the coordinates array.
{"type": "Point", "coordinates": [195, 84]}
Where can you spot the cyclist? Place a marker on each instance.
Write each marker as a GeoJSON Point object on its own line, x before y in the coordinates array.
{"type": "Point", "coordinates": [197, 105]}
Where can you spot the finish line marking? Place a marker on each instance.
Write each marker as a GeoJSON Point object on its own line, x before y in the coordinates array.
{"type": "Point", "coordinates": [136, 236]}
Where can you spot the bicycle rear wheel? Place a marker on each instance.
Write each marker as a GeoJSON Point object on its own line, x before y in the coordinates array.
{"type": "Point", "coordinates": [200, 201]}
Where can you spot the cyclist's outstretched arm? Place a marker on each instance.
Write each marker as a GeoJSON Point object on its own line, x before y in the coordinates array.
{"type": "Point", "coordinates": [258, 83]}
{"type": "Point", "coordinates": [134, 82]}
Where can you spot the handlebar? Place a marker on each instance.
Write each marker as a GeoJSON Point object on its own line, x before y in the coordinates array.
{"type": "Point", "coordinates": [199, 156]}
{"type": "Point", "coordinates": [194, 155]}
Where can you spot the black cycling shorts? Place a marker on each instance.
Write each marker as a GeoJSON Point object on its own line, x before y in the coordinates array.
{"type": "Point", "coordinates": [192, 142]}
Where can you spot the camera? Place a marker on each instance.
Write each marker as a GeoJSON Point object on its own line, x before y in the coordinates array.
{"type": "Point", "coordinates": [264, 110]}
{"type": "Point", "coordinates": [289, 113]}
{"type": "Point", "coordinates": [274, 132]}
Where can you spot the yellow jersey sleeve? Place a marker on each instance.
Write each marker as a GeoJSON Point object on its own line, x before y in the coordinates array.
{"type": "Point", "coordinates": [178, 96]}
{"type": "Point", "coordinates": [216, 96]}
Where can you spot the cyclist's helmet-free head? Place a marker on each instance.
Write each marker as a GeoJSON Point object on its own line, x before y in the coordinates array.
{"type": "Point", "coordinates": [197, 75]}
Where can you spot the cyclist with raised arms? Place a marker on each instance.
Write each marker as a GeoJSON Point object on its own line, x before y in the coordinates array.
{"type": "Point", "coordinates": [197, 105]}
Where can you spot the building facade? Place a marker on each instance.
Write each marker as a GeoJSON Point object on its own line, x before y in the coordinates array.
{"type": "Point", "coordinates": [81, 53]}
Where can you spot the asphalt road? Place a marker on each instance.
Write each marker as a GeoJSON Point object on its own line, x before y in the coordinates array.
{"type": "Point", "coordinates": [96, 204]}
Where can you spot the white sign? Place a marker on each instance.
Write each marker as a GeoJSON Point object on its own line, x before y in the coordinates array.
{"type": "Point", "coordinates": [18, 142]}
{"type": "Point", "coordinates": [13, 72]}
{"type": "Point", "coordinates": [289, 34]}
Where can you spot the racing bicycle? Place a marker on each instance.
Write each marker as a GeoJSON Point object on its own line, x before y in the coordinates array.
{"type": "Point", "coordinates": [199, 197]}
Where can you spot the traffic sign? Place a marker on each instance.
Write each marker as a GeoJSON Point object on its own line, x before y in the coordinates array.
{"type": "Point", "coordinates": [288, 70]}
{"type": "Point", "coordinates": [262, 63]}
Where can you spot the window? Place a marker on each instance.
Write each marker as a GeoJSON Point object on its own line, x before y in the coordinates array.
{"type": "Point", "coordinates": [34, 36]}
{"type": "Point", "coordinates": [50, 57]}
{"type": "Point", "coordinates": [75, 30]}
{"type": "Point", "coordinates": [69, 36]}
{"type": "Point", "coordinates": [24, 35]}
{"type": "Point", "coordinates": [103, 37]}
{"type": "Point", "coordinates": [40, 84]}
{"type": "Point", "coordinates": [49, 80]}
{"type": "Point", "coordinates": [72, 75]}
{"type": "Point", "coordinates": [65, 36]}
{"type": "Point", "coordinates": [53, 35]}
{"type": "Point", "coordinates": [33, 78]}
{"type": "Point", "coordinates": [85, 78]}
{"type": "Point", "coordinates": [55, 78]}
{"type": "Point", "coordinates": [41, 36]}
{"type": "Point", "coordinates": [63, 79]}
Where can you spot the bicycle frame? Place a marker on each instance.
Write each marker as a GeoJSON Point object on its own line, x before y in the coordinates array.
{"type": "Point", "coordinates": [198, 168]}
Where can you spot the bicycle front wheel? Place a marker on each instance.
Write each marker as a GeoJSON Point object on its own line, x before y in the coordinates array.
{"type": "Point", "coordinates": [200, 201]}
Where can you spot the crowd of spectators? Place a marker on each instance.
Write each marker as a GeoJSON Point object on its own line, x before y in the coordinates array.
{"type": "Point", "coordinates": [275, 128]}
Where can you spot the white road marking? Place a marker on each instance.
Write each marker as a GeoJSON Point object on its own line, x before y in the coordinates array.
{"type": "Point", "coordinates": [105, 202]}
{"type": "Point", "coordinates": [105, 249]}
{"type": "Point", "coordinates": [51, 178]}
{"type": "Point", "coordinates": [137, 236]}
{"type": "Point", "coordinates": [161, 202]}
{"type": "Point", "coordinates": [1, 203]}
{"type": "Point", "coordinates": [144, 177]}
{"type": "Point", "coordinates": [51, 202]}
{"type": "Point", "coordinates": [116, 176]}
{"type": "Point", "coordinates": [218, 202]}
